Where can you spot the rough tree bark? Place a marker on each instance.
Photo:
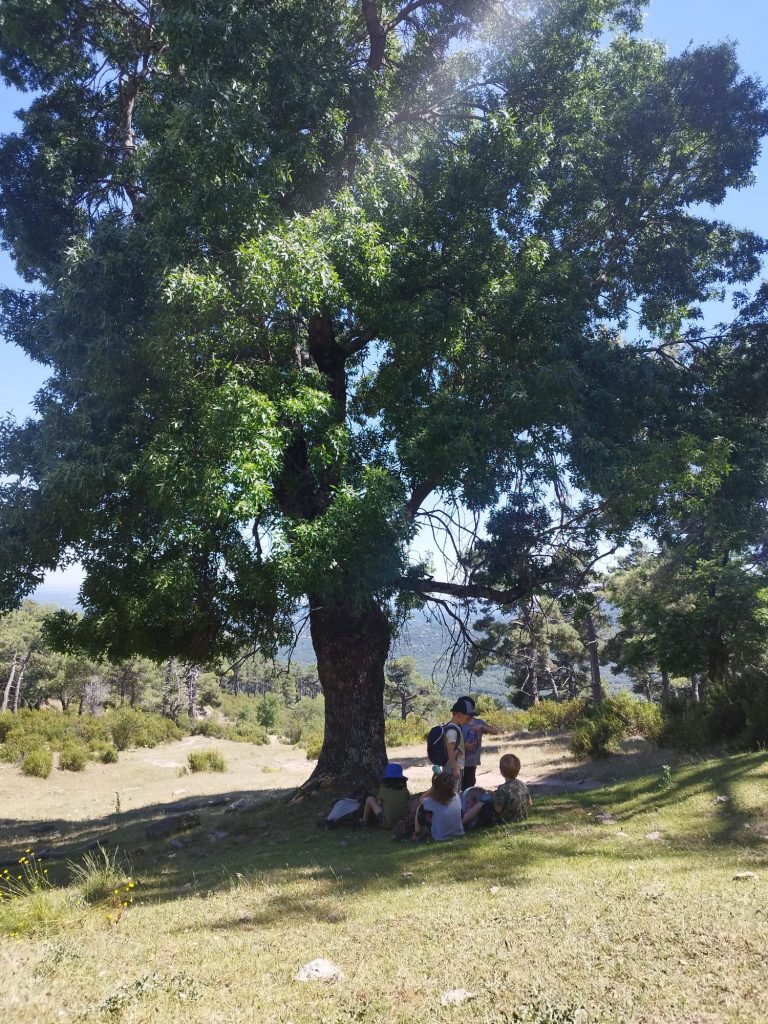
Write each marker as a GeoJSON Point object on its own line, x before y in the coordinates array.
{"type": "Point", "coordinates": [594, 659]}
{"type": "Point", "coordinates": [351, 647]}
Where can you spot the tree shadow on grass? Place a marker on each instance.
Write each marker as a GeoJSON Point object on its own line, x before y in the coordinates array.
{"type": "Point", "coordinates": [272, 850]}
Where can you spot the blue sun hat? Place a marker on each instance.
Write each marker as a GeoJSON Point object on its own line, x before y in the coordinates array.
{"type": "Point", "coordinates": [393, 771]}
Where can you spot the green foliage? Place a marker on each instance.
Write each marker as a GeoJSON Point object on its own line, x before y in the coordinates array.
{"type": "Point", "coordinates": [615, 718]}
{"type": "Point", "coordinates": [313, 741]}
{"type": "Point", "coordinates": [247, 732]}
{"type": "Point", "coordinates": [108, 755]}
{"type": "Point", "coordinates": [284, 300]}
{"type": "Point", "coordinates": [304, 717]}
{"type": "Point", "coordinates": [269, 711]}
{"type": "Point", "coordinates": [206, 761]}
{"type": "Point", "coordinates": [22, 741]}
{"type": "Point", "coordinates": [38, 762]}
{"type": "Point", "coordinates": [140, 729]}
{"type": "Point", "coordinates": [399, 732]}
{"type": "Point", "coordinates": [209, 727]}
{"type": "Point", "coordinates": [550, 715]}
{"type": "Point", "coordinates": [73, 757]}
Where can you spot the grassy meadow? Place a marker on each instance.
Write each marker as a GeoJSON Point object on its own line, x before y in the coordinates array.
{"type": "Point", "coordinates": [620, 900]}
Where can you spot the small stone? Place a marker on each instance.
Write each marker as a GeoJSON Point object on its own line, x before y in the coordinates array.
{"type": "Point", "coordinates": [654, 837]}
{"type": "Point", "coordinates": [457, 996]}
{"type": "Point", "coordinates": [333, 917]}
{"type": "Point", "coordinates": [722, 799]}
{"type": "Point", "coordinates": [745, 876]}
{"type": "Point", "coordinates": [216, 837]}
{"type": "Point", "coordinates": [217, 801]}
{"type": "Point", "coordinates": [604, 818]}
{"type": "Point", "coordinates": [319, 970]}
{"type": "Point", "coordinates": [186, 887]}
{"type": "Point", "coordinates": [238, 805]}
{"type": "Point", "coordinates": [494, 890]}
{"type": "Point", "coordinates": [177, 844]}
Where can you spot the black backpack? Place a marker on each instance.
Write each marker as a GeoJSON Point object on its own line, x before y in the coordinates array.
{"type": "Point", "coordinates": [437, 751]}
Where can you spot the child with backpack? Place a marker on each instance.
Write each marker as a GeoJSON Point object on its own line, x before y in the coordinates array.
{"type": "Point", "coordinates": [445, 743]}
{"type": "Point", "coordinates": [473, 734]}
{"type": "Point", "coordinates": [439, 812]}
{"type": "Point", "coordinates": [390, 804]}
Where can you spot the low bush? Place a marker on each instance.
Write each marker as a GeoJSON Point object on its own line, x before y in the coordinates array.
{"type": "Point", "coordinates": [38, 762]}
{"type": "Point", "coordinates": [21, 741]}
{"type": "Point", "coordinates": [313, 741]}
{"type": "Point", "coordinates": [398, 732]}
{"type": "Point", "coordinates": [604, 725]}
{"type": "Point", "coordinates": [73, 757]}
{"type": "Point", "coordinates": [206, 761]}
{"type": "Point", "coordinates": [212, 727]}
{"type": "Point", "coordinates": [109, 755]}
{"type": "Point", "coordinates": [132, 728]}
{"type": "Point", "coordinates": [247, 732]}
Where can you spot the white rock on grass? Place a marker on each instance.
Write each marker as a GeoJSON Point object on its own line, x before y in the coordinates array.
{"type": "Point", "coordinates": [319, 970]}
{"type": "Point", "coordinates": [457, 996]}
{"type": "Point", "coordinates": [654, 837]}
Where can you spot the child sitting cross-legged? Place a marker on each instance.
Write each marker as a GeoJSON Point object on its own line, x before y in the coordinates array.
{"type": "Point", "coordinates": [511, 801]}
{"type": "Point", "coordinates": [439, 812]}
{"type": "Point", "coordinates": [390, 804]}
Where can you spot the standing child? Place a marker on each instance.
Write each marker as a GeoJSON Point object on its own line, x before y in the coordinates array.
{"type": "Point", "coordinates": [445, 744]}
{"type": "Point", "coordinates": [473, 733]}
{"type": "Point", "coordinates": [511, 801]}
{"type": "Point", "coordinates": [390, 804]}
{"type": "Point", "coordinates": [439, 810]}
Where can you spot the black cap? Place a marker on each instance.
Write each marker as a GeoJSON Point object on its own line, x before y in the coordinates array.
{"type": "Point", "coordinates": [464, 705]}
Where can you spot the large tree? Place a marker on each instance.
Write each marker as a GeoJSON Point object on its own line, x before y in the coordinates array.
{"type": "Point", "coordinates": [310, 276]}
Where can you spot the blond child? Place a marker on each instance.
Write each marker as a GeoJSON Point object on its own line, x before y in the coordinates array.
{"type": "Point", "coordinates": [511, 801]}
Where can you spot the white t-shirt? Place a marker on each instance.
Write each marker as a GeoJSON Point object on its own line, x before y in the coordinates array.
{"type": "Point", "coordinates": [446, 818]}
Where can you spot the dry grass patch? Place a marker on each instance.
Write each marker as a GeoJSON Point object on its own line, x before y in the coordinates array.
{"type": "Point", "coordinates": [563, 919]}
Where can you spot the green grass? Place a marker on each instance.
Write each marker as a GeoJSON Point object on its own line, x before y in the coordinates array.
{"type": "Point", "coordinates": [536, 920]}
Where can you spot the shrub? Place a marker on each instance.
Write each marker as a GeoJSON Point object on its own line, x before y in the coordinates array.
{"type": "Point", "coordinates": [133, 728]}
{"type": "Point", "coordinates": [38, 762]}
{"type": "Point", "coordinates": [206, 761]}
{"type": "Point", "coordinates": [597, 738]}
{"type": "Point", "coordinates": [109, 755]}
{"type": "Point", "coordinates": [19, 742]}
{"type": "Point", "coordinates": [7, 722]}
{"type": "Point", "coordinates": [73, 757]}
{"type": "Point", "coordinates": [247, 732]}
{"type": "Point", "coordinates": [398, 731]}
{"type": "Point", "coordinates": [313, 741]}
{"type": "Point", "coordinates": [209, 727]}
{"type": "Point", "coordinates": [550, 715]}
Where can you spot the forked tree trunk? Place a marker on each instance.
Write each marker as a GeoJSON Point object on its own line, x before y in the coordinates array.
{"type": "Point", "coordinates": [351, 647]}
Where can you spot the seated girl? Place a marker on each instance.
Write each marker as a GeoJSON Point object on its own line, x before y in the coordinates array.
{"type": "Point", "coordinates": [439, 810]}
{"type": "Point", "coordinates": [390, 804]}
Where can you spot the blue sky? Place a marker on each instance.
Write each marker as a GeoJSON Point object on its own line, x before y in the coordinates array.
{"type": "Point", "coordinates": [678, 23]}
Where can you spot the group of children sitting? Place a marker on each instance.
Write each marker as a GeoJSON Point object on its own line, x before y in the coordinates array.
{"type": "Point", "coordinates": [442, 811]}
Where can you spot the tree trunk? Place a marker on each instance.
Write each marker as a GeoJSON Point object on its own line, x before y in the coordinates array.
{"type": "Point", "coordinates": [695, 695]}
{"type": "Point", "coordinates": [193, 674]}
{"type": "Point", "coordinates": [351, 647]}
{"type": "Point", "coordinates": [20, 680]}
{"type": "Point", "coordinates": [594, 659]}
{"type": "Point", "coordinates": [665, 687]}
{"type": "Point", "coordinates": [9, 684]}
{"type": "Point", "coordinates": [533, 680]}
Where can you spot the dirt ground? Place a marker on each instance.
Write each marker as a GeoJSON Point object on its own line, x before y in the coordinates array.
{"type": "Point", "coordinates": [146, 777]}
